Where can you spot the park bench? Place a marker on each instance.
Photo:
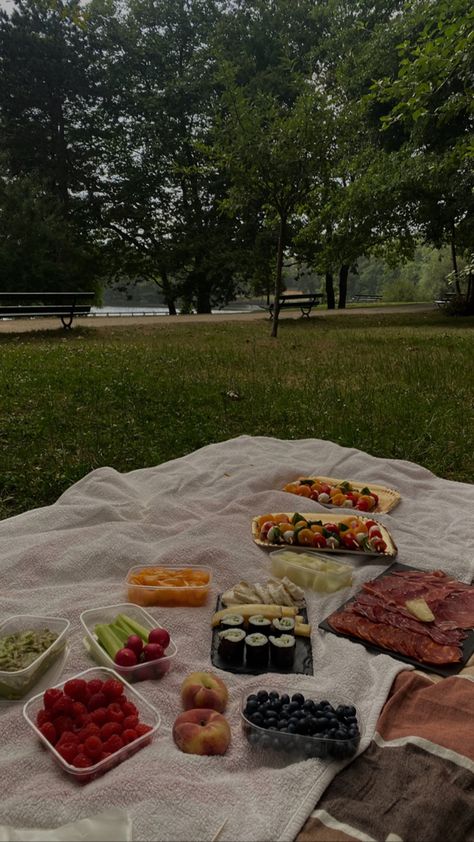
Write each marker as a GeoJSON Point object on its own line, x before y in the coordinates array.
{"type": "Point", "coordinates": [65, 305]}
{"type": "Point", "coordinates": [446, 299]}
{"type": "Point", "coordinates": [362, 296]}
{"type": "Point", "coordinates": [304, 300]}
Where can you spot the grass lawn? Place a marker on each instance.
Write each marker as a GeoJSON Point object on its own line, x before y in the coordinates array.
{"type": "Point", "coordinates": [395, 385]}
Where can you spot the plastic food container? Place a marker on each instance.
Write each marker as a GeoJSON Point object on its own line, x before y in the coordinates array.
{"type": "Point", "coordinates": [294, 745]}
{"type": "Point", "coordinates": [147, 714]}
{"type": "Point", "coordinates": [191, 595]}
{"type": "Point", "coordinates": [309, 570]}
{"type": "Point", "coordinates": [15, 685]}
{"type": "Point", "coordinates": [107, 614]}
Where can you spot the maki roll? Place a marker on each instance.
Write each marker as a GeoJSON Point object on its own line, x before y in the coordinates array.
{"type": "Point", "coordinates": [283, 625]}
{"type": "Point", "coordinates": [260, 624]}
{"type": "Point", "coordinates": [282, 651]}
{"type": "Point", "coordinates": [256, 650]}
{"type": "Point", "coordinates": [232, 621]}
{"type": "Point", "coordinates": [231, 645]}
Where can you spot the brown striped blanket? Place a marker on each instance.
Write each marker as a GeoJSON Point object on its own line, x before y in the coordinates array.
{"type": "Point", "coordinates": [415, 781]}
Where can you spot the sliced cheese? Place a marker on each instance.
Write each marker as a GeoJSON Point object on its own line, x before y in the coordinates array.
{"type": "Point", "coordinates": [420, 609]}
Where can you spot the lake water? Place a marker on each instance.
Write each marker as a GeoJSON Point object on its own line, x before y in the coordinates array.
{"type": "Point", "coordinates": [163, 311]}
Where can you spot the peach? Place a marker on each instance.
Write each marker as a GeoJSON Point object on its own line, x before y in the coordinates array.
{"type": "Point", "coordinates": [202, 731]}
{"type": "Point", "coordinates": [204, 690]}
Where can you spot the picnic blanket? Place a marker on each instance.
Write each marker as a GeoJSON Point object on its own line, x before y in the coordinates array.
{"type": "Point", "coordinates": [74, 555]}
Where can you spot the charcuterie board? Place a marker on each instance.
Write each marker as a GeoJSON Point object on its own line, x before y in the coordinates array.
{"type": "Point", "coordinates": [445, 670]}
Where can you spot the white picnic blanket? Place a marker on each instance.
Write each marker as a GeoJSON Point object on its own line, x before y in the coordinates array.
{"type": "Point", "coordinates": [75, 554]}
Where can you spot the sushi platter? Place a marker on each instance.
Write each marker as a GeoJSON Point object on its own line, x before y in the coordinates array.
{"type": "Point", "coordinates": [256, 643]}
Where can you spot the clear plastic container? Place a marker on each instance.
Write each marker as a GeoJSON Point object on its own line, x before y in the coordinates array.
{"type": "Point", "coordinates": [146, 712]}
{"type": "Point", "coordinates": [309, 570]}
{"type": "Point", "coordinates": [15, 685]}
{"type": "Point", "coordinates": [191, 595]}
{"type": "Point", "coordinates": [298, 745]}
{"type": "Point", "coordinates": [107, 614]}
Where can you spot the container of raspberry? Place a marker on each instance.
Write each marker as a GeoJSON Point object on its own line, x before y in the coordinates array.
{"type": "Point", "coordinates": [107, 614]}
{"type": "Point", "coordinates": [92, 722]}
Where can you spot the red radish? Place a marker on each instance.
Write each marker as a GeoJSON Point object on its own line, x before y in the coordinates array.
{"type": "Point", "coordinates": [153, 651]}
{"type": "Point", "coordinates": [160, 636]}
{"type": "Point", "coordinates": [126, 658]}
{"type": "Point", "coordinates": [135, 643]}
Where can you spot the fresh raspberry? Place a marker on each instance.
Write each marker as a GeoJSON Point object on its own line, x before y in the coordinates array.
{"type": "Point", "coordinates": [91, 730]}
{"type": "Point", "coordinates": [76, 689]}
{"type": "Point", "coordinates": [42, 716]}
{"type": "Point", "coordinates": [68, 751]}
{"type": "Point", "coordinates": [113, 689]}
{"type": "Point", "coordinates": [49, 731]}
{"type": "Point", "coordinates": [82, 761]}
{"type": "Point", "coordinates": [78, 709]}
{"type": "Point", "coordinates": [129, 735]}
{"type": "Point", "coordinates": [115, 713]}
{"type": "Point", "coordinates": [142, 729]}
{"type": "Point", "coordinates": [51, 696]}
{"type": "Point", "coordinates": [97, 700]}
{"type": "Point", "coordinates": [63, 723]}
{"type": "Point", "coordinates": [82, 721]}
{"type": "Point", "coordinates": [62, 707]}
{"type": "Point", "coordinates": [99, 716]}
{"type": "Point", "coordinates": [129, 708]}
{"type": "Point", "coordinates": [110, 728]}
{"type": "Point", "coordinates": [93, 747]}
{"type": "Point", "coordinates": [68, 737]}
{"type": "Point", "coordinates": [113, 744]}
{"type": "Point", "coordinates": [130, 722]}
{"type": "Point", "coordinates": [94, 686]}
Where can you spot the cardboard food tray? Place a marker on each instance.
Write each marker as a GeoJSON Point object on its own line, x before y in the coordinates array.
{"type": "Point", "coordinates": [467, 645]}
{"type": "Point", "coordinates": [388, 497]}
{"type": "Point", "coordinates": [303, 662]}
{"type": "Point", "coordinates": [389, 553]}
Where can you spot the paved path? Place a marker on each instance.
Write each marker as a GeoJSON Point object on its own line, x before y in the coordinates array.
{"type": "Point", "coordinates": [27, 325]}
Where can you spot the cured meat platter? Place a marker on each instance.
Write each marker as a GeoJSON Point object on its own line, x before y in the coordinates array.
{"type": "Point", "coordinates": [332, 492]}
{"type": "Point", "coordinates": [390, 615]}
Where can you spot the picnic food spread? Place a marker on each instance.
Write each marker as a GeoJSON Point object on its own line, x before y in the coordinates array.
{"type": "Point", "coordinates": [342, 493]}
{"type": "Point", "coordinates": [350, 533]}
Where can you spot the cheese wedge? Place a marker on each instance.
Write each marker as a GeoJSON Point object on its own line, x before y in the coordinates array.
{"type": "Point", "coordinates": [420, 609]}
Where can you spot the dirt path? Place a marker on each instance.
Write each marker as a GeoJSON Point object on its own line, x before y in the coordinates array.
{"type": "Point", "coordinates": [27, 325]}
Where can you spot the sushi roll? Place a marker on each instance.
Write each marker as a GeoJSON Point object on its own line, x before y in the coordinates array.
{"type": "Point", "coordinates": [256, 650]}
{"type": "Point", "coordinates": [282, 651]}
{"type": "Point", "coordinates": [232, 621]}
{"type": "Point", "coordinates": [260, 624]}
{"type": "Point", "coordinates": [283, 625]}
{"type": "Point", "coordinates": [231, 645]}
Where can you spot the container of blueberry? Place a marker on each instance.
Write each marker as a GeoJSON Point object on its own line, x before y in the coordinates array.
{"type": "Point", "coordinates": [300, 724]}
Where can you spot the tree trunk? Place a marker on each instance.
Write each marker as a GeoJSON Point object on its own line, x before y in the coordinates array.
{"type": "Point", "coordinates": [343, 276]}
{"type": "Point", "coordinates": [168, 293]}
{"type": "Point", "coordinates": [279, 273]}
{"type": "Point", "coordinates": [330, 291]}
{"type": "Point", "coordinates": [454, 259]}
{"type": "Point", "coordinates": [203, 301]}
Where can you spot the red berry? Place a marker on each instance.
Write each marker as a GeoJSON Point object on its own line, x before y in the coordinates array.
{"type": "Point", "coordinates": [108, 729]}
{"type": "Point", "coordinates": [51, 696]}
{"type": "Point", "coordinates": [129, 735]}
{"type": "Point", "coordinates": [94, 686]}
{"type": "Point", "coordinates": [49, 731]}
{"type": "Point", "coordinates": [142, 729]}
{"type": "Point", "coordinates": [99, 716]}
{"type": "Point", "coordinates": [76, 689]}
{"type": "Point", "coordinates": [68, 751]}
{"type": "Point", "coordinates": [82, 761]}
{"type": "Point", "coordinates": [130, 722]}
{"type": "Point", "coordinates": [129, 709]}
{"type": "Point", "coordinates": [78, 709]}
{"type": "Point", "coordinates": [97, 700]}
{"type": "Point", "coordinates": [42, 716]}
{"type": "Point", "coordinates": [63, 723]}
{"type": "Point", "coordinates": [113, 689]}
{"type": "Point", "coordinates": [91, 730]}
{"type": "Point", "coordinates": [62, 707]}
{"type": "Point", "coordinates": [81, 721]}
{"type": "Point", "coordinates": [68, 737]}
{"type": "Point", "coordinates": [113, 744]}
{"type": "Point", "coordinates": [93, 747]}
{"type": "Point", "coordinates": [115, 713]}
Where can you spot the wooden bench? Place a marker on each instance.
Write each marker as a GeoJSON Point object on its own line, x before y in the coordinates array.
{"type": "Point", "coordinates": [65, 305]}
{"type": "Point", "coordinates": [362, 296]}
{"type": "Point", "coordinates": [445, 300]}
{"type": "Point", "coordinates": [304, 300]}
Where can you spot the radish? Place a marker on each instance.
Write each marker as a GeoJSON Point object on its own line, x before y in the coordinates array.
{"type": "Point", "coordinates": [153, 651]}
{"type": "Point", "coordinates": [126, 658]}
{"type": "Point", "coordinates": [135, 643]}
{"type": "Point", "coordinates": [160, 636]}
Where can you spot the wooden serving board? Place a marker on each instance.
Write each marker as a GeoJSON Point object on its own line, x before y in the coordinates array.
{"type": "Point", "coordinates": [388, 497]}
{"type": "Point", "coordinates": [389, 553]}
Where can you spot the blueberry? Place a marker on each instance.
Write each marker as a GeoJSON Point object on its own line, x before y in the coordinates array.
{"type": "Point", "coordinates": [321, 723]}
{"type": "Point", "coordinates": [281, 724]}
{"type": "Point", "coordinates": [350, 710]}
{"type": "Point", "coordinates": [299, 698]}
{"type": "Point", "coordinates": [291, 729]}
{"type": "Point", "coordinates": [285, 699]}
{"type": "Point", "coordinates": [332, 732]}
{"type": "Point", "coordinates": [308, 705]}
{"type": "Point", "coordinates": [324, 704]}
{"type": "Point", "coordinates": [253, 737]}
{"type": "Point", "coordinates": [256, 719]}
{"type": "Point", "coordinates": [312, 725]}
{"type": "Point", "coordinates": [252, 698]}
{"type": "Point", "coordinates": [303, 726]}
{"type": "Point", "coordinates": [272, 722]}
{"type": "Point", "coordinates": [262, 696]}
{"type": "Point", "coordinates": [265, 741]}
{"type": "Point", "coordinates": [274, 695]}
{"type": "Point", "coordinates": [293, 706]}
{"type": "Point", "coordinates": [341, 711]}
{"type": "Point", "coordinates": [251, 707]}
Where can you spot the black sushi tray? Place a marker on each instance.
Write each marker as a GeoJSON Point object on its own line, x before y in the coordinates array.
{"type": "Point", "coordinates": [467, 645]}
{"type": "Point", "coordinates": [303, 662]}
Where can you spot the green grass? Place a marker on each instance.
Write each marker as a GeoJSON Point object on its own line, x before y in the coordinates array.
{"type": "Point", "coordinates": [395, 385]}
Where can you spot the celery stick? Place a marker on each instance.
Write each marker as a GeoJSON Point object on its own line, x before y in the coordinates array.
{"type": "Point", "coordinates": [132, 626]}
{"type": "Point", "coordinates": [108, 639]}
{"type": "Point", "coordinates": [122, 633]}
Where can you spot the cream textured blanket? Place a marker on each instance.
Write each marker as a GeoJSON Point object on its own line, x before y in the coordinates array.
{"type": "Point", "coordinates": [75, 554]}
